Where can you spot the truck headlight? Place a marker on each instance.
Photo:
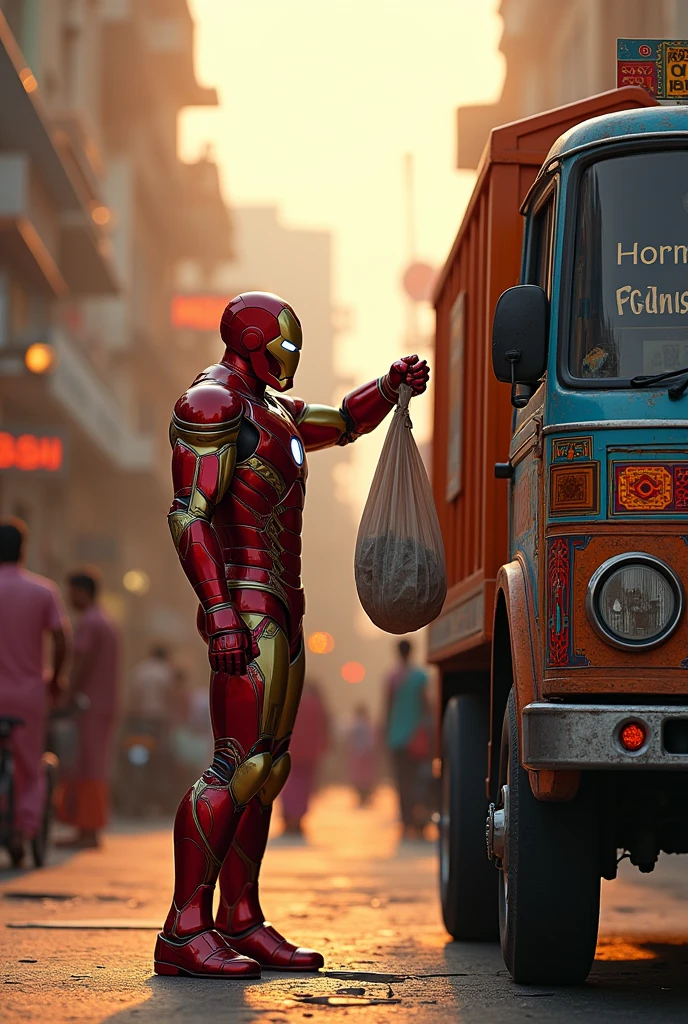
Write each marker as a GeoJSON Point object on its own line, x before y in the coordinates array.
{"type": "Point", "coordinates": [634, 601]}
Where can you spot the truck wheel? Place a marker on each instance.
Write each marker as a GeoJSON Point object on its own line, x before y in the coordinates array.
{"type": "Point", "coordinates": [468, 881]}
{"type": "Point", "coordinates": [549, 885]}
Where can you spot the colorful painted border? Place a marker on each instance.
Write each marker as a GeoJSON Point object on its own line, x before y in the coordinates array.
{"type": "Point", "coordinates": [648, 488]}
{"type": "Point", "coordinates": [570, 449]}
{"type": "Point", "coordinates": [560, 558]}
{"type": "Point", "coordinates": [574, 489]}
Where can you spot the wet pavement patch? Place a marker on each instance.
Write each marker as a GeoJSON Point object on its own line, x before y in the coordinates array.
{"type": "Point", "coordinates": [96, 924]}
{"type": "Point", "coordinates": [16, 895]}
{"type": "Point", "coordinates": [372, 976]}
{"type": "Point", "coordinates": [389, 979]}
{"type": "Point", "coordinates": [67, 897]}
{"type": "Point", "coordinates": [339, 1001]}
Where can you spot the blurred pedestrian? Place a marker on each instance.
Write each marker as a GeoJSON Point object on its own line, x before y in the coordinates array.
{"type": "Point", "coordinates": [408, 739]}
{"type": "Point", "coordinates": [30, 608]}
{"type": "Point", "coordinates": [143, 781]}
{"type": "Point", "coordinates": [150, 713]}
{"type": "Point", "coordinates": [362, 754]}
{"type": "Point", "coordinates": [191, 739]}
{"type": "Point", "coordinates": [152, 681]}
{"type": "Point", "coordinates": [83, 796]}
{"type": "Point", "coordinates": [309, 743]}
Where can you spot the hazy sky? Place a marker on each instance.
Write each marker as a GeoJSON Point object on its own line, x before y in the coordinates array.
{"type": "Point", "coordinates": [319, 102]}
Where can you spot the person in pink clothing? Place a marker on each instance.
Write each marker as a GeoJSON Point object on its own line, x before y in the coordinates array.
{"type": "Point", "coordinates": [30, 608]}
{"type": "Point", "coordinates": [309, 743]}
{"type": "Point", "coordinates": [362, 743]}
{"type": "Point", "coordinates": [84, 795]}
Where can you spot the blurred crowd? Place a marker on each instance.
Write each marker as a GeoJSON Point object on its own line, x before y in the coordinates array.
{"type": "Point", "coordinates": [364, 753]}
{"type": "Point", "coordinates": [140, 749]}
{"type": "Point", "coordinates": [83, 679]}
{"type": "Point", "coordinates": [137, 749]}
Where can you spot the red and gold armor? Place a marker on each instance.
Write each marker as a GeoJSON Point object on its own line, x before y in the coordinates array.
{"type": "Point", "coordinates": [239, 472]}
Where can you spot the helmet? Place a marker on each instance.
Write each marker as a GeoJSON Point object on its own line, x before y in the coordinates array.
{"type": "Point", "coordinates": [264, 329]}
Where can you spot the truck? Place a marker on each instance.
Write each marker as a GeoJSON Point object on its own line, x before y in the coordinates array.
{"type": "Point", "coordinates": [560, 475]}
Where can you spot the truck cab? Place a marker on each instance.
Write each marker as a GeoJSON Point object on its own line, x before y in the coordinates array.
{"type": "Point", "coordinates": [584, 734]}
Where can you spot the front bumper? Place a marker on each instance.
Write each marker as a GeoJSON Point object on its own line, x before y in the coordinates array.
{"type": "Point", "coordinates": [584, 736]}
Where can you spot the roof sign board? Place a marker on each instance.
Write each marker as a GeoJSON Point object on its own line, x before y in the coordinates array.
{"type": "Point", "coordinates": [658, 65]}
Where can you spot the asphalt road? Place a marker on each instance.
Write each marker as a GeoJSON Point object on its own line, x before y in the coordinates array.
{"type": "Point", "coordinates": [353, 891]}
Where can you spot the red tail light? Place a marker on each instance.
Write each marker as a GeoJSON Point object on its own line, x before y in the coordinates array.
{"type": "Point", "coordinates": [633, 736]}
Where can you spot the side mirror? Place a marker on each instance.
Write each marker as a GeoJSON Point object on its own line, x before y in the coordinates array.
{"type": "Point", "coordinates": [519, 338]}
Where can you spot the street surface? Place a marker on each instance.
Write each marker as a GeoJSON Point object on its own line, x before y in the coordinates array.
{"type": "Point", "coordinates": [368, 902]}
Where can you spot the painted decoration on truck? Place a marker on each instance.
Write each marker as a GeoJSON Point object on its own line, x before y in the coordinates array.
{"type": "Point", "coordinates": [658, 65]}
{"type": "Point", "coordinates": [457, 327]}
{"type": "Point", "coordinates": [571, 448]}
{"type": "Point", "coordinates": [646, 488]}
{"type": "Point", "coordinates": [560, 558]}
{"type": "Point", "coordinates": [525, 519]}
{"type": "Point", "coordinates": [574, 489]}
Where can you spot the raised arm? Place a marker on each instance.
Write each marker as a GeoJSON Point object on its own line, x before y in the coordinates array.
{"type": "Point", "coordinates": [204, 430]}
{"type": "Point", "coordinates": [362, 410]}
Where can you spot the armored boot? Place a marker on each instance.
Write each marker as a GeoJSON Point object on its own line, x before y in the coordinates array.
{"type": "Point", "coordinates": [188, 944]}
{"type": "Point", "coordinates": [240, 918]}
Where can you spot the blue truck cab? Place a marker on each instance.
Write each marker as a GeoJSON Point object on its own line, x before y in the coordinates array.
{"type": "Point", "coordinates": [593, 758]}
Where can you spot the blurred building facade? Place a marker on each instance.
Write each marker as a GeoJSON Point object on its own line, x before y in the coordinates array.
{"type": "Point", "coordinates": [297, 264]}
{"type": "Point", "coordinates": [96, 212]}
{"type": "Point", "coordinates": [560, 52]}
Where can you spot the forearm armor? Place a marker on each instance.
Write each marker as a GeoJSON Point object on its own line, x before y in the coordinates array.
{"type": "Point", "coordinates": [203, 462]}
{"type": "Point", "coordinates": [366, 407]}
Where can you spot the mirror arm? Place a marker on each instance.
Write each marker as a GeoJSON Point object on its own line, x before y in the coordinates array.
{"type": "Point", "coordinates": [518, 401]}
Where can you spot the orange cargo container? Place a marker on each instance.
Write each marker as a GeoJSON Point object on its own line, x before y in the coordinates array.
{"type": "Point", "coordinates": [472, 420]}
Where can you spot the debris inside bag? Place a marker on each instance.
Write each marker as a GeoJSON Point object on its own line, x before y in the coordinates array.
{"type": "Point", "coordinates": [400, 582]}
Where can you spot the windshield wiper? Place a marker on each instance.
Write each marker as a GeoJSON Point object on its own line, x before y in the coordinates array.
{"type": "Point", "coordinates": [675, 391]}
{"type": "Point", "coordinates": [656, 378]}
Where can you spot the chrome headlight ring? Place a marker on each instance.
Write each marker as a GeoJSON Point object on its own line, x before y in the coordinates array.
{"type": "Point", "coordinates": [631, 559]}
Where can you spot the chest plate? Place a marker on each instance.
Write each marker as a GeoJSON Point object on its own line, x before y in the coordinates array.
{"type": "Point", "coordinates": [276, 453]}
{"type": "Point", "coordinates": [259, 520]}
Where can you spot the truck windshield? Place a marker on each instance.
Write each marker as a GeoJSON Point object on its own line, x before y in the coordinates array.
{"type": "Point", "coordinates": [630, 288]}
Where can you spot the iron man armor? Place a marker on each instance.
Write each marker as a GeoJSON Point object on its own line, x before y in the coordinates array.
{"type": "Point", "coordinates": [239, 473]}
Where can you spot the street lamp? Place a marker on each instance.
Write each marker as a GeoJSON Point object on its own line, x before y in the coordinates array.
{"type": "Point", "coordinates": [136, 581]}
{"type": "Point", "coordinates": [320, 643]}
{"type": "Point", "coordinates": [40, 358]}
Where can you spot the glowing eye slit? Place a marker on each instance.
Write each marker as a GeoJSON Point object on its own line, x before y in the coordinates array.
{"type": "Point", "coordinates": [289, 347]}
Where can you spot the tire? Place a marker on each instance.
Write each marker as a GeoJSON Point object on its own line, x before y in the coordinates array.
{"type": "Point", "coordinates": [6, 795]}
{"type": "Point", "coordinates": [549, 886]}
{"type": "Point", "coordinates": [41, 842]}
{"type": "Point", "coordinates": [468, 881]}
{"type": "Point", "coordinates": [15, 847]}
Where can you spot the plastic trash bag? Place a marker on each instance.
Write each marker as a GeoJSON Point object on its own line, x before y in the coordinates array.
{"type": "Point", "coordinates": [399, 562]}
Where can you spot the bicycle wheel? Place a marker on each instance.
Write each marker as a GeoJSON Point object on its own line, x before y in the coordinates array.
{"type": "Point", "coordinates": [41, 841]}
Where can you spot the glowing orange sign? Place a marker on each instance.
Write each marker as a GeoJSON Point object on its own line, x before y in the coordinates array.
{"type": "Point", "coordinates": [197, 312]}
{"type": "Point", "coordinates": [31, 452]}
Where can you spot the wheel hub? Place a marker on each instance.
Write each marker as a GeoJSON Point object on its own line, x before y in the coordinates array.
{"type": "Point", "coordinates": [496, 828]}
